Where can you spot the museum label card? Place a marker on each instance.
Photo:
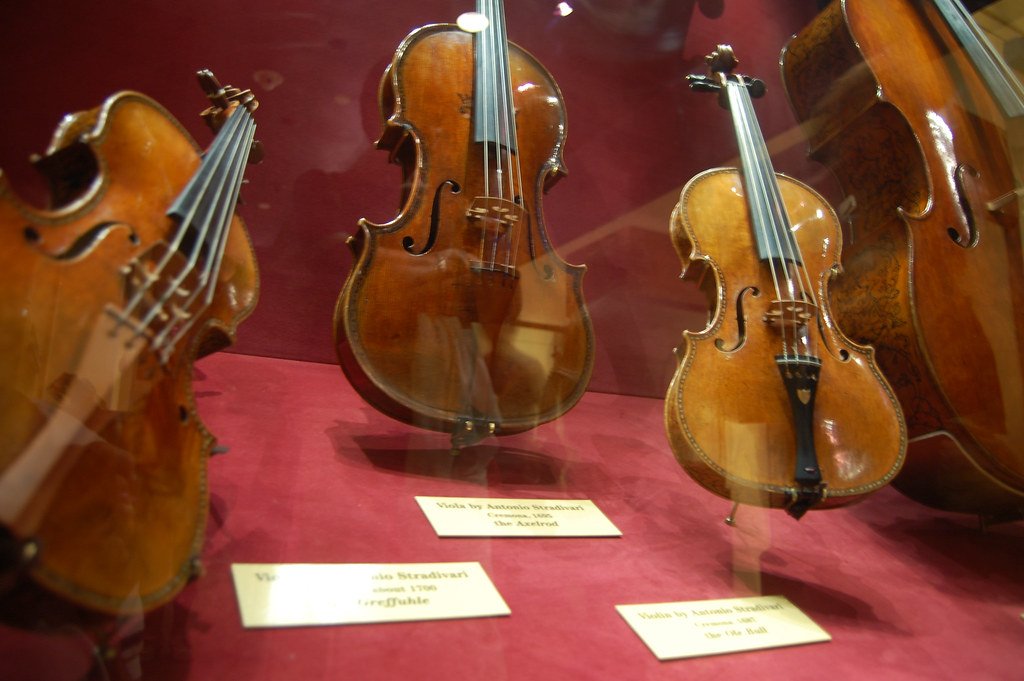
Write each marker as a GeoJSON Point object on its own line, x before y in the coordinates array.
{"type": "Point", "coordinates": [297, 594]}
{"type": "Point", "coordinates": [695, 628]}
{"type": "Point", "coordinates": [470, 517]}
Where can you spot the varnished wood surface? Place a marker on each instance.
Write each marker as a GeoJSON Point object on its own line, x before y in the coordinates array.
{"type": "Point", "coordinates": [728, 415]}
{"type": "Point", "coordinates": [421, 334]}
{"type": "Point", "coordinates": [893, 106]}
{"type": "Point", "coordinates": [117, 521]}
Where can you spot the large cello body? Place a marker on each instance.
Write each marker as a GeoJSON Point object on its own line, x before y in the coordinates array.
{"type": "Point", "coordinates": [918, 119]}
{"type": "Point", "coordinates": [771, 404]}
{"type": "Point", "coordinates": [136, 268]}
{"type": "Point", "coordinates": [458, 315]}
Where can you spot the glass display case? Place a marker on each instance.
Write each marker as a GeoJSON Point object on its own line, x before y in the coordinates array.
{"type": "Point", "coordinates": [290, 315]}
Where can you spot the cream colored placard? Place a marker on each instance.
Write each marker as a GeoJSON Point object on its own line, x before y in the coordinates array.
{"type": "Point", "coordinates": [471, 517]}
{"type": "Point", "coordinates": [308, 594]}
{"type": "Point", "coordinates": [695, 628]}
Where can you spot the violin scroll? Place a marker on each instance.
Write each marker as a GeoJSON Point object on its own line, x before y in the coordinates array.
{"type": "Point", "coordinates": [721, 63]}
{"type": "Point", "coordinates": [225, 99]}
{"type": "Point", "coordinates": [722, 60]}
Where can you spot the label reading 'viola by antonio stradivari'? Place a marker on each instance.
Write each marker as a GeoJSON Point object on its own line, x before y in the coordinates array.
{"type": "Point", "coordinates": [304, 594]}
{"type": "Point", "coordinates": [472, 517]}
{"type": "Point", "coordinates": [695, 628]}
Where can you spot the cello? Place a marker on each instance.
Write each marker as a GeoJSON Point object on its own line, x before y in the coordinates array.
{"type": "Point", "coordinates": [137, 267]}
{"type": "Point", "coordinates": [919, 119]}
{"type": "Point", "coordinates": [458, 315]}
{"type": "Point", "coordinates": [771, 405]}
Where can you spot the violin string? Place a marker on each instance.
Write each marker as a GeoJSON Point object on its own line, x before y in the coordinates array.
{"type": "Point", "coordinates": [483, 64]}
{"type": "Point", "coordinates": [217, 220]}
{"type": "Point", "coordinates": [498, 128]}
{"type": "Point", "coordinates": [502, 104]}
{"type": "Point", "coordinates": [498, 97]}
{"type": "Point", "coordinates": [206, 206]}
{"type": "Point", "coordinates": [218, 212]}
{"type": "Point", "coordinates": [796, 273]}
{"type": "Point", "coordinates": [491, 81]}
{"type": "Point", "coordinates": [776, 228]}
{"type": "Point", "coordinates": [756, 190]}
{"type": "Point", "coordinates": [786, 263]}
{"type": "Point", "coordinates": [197, 192]}
{"type": "Point", "coordinates": [197, 215]}
{"type": "Point", "coordinates": [234, 185]}
{"type": "Point", "coordinates": [205, 210]}
{"type": "Point", "coordinates": [784, 239]}
{"type": "Point", "coordinates": [980, 48]}
{"type": "Point", "coordinates": [515, 168]}
{"type": "Point", "coordinates": [187, 318]}
{"type": "Point", "coordinates": [184, 207]}
{"type": "Point", "coordinates": [807, 295]}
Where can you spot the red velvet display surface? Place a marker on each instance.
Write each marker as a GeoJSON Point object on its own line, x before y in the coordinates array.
{"type": "Point", "coordinates": [314, 475]}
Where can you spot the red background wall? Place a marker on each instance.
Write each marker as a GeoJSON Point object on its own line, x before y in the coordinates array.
{"type": "Point", "coordinates": [907, 592]}
{"type": "Point", "coordinates": [636, 134]}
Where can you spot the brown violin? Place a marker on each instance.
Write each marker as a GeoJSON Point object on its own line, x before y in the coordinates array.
{"type": "Point", "coordinates": [771, 405]}
{"type": "Point", "coordinates": [137, 267]}
{"type": "Point", "coordinates": [458, 315]}
{"type": "Point", "coordinates": [920, 119]}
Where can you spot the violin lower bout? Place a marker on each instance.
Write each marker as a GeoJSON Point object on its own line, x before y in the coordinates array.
{"type": "Point", "coordinates": [732, 428]}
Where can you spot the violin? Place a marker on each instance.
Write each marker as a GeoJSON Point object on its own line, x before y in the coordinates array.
{"type": "Point", "coordinates": [771, 404]}
{"type": "Point", "coordinates": [920, 120]}
{"type": "Point", "coordinates": [137, 267]}
{"type": "Point", "coordinates": [458, 315]}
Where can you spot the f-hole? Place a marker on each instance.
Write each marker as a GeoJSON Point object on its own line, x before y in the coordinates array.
{"type": "Point", "coordinates": [408, 243]}
{"type": "Point", "coordinates": [741, 322]}
{"type": "Point", "coordinates": [965, 205]}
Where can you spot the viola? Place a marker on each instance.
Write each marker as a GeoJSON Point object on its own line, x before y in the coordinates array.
{"type": "Point", "coordinates": [137, 267]}
{"type": "Point", "coordinates": [920, 120]}
{"type": "Point", "coordinates": [771, 404]}
{"type": "Point", "coordinates": [458, 315]}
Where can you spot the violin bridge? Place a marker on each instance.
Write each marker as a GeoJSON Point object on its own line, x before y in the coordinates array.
{"type": "Point", "coordinates": [791, 313]}
{"type": "Point", "coordinates": [500, 213]}
{"type": "Point", "coordinates": [160, 300]}
{"type": "Point", "coordinates": [498, 221]}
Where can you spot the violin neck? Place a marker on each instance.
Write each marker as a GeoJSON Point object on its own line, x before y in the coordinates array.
{"type": "Point", "coordinates": [493, 112]}
{"type": "Point", "coordinates": [992, 68]}
{"type": "Point", "coordinates": [768, 217]}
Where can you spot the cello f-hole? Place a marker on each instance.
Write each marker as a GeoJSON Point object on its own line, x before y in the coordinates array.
{"type": "Point", "coordinates": [965, 205]}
